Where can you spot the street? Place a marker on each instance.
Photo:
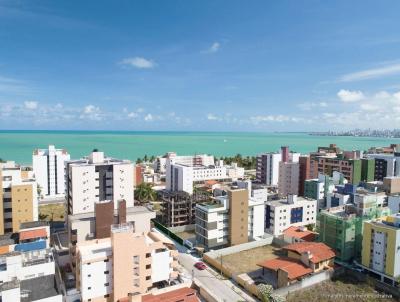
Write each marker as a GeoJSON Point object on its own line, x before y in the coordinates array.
{"type": "Point", "coordinates": [212, 282]}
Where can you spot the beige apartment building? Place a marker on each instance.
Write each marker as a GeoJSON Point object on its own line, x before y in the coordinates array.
{"type": "Point", "coordinates": [128, 263]}
{"type": "Point", "coordinates": [18, 198]}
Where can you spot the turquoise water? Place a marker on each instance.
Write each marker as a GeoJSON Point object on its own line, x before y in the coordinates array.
{"type": "Point", "coordinates": [18, 145]}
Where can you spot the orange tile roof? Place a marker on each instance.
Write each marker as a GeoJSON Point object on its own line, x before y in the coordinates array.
{"type": "Point", "coordinates": [294, 268]}
{"type": "Point", "coordinates": [24, 235]}
{"type": "Point", "coordinates": [185, 294]}
{"type": "Point", "coordinates": [319, 251]}
{"type": "Point", "coordinates": [210, 182]}
{"type": "Point", "coordinates": [296, 232]}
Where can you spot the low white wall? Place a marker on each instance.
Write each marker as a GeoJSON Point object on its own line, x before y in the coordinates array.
{"type": "Point", "coordinates": [241, 247]}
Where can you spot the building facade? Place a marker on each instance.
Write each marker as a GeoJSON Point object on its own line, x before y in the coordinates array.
{"type": "Point", "coordinates": [126, 264]}
{"type": "Point", "coordinates": [233, 218]}
{"type": "Point", "coordinates": [381, 242]}
{"type": "Point", "coordinates": [267, 169]}
{"type": "Point", "coordinates": [288, 178]}
{"type": "Point", "coordinates": [291, 211]}
{"type": "Point", "coordinates": [18, 198]}
{"type": "Point", "coordinates": [48, 168]}
{"type": "Point", "coordinates": [98, 178]}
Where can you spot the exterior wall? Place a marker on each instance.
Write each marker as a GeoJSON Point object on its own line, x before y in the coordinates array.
{"type": "Point", "coordinates": [48, 167]}
{"type": "Point", "coordinates": [104, 213]}
{"type": "Point", "coordinates": [391, 185]}
{"type": "Point", "coordinates": [95, 180]}
{"type": "Point", "coordinates": [281, 216]}
{"type": "Point", "coordinates": [380, 248]}
{"type": "Point", "coordinates": [267, 169]}
{"type": "Point", "coordinates": [22, 205]}
{"type": "Point", "coordinates": [1, 203]}
{"type": "Point", "coordinates": [367, 169]}
{"type": "Point", "coordinates": [288, 178]}
{"type": "Point", "coordinates": [238, 213]}
{"type": "Point", "coordinates": [394, 204]}
{"type": "Point", "coordinates": [304, 172]}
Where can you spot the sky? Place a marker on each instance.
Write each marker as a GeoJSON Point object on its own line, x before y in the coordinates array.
{"type": "Point", "coordinates": [199, 65]}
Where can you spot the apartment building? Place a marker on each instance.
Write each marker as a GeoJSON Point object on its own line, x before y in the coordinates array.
{"type": "Point", "coordinates": [234, 217]}
{"type": "Point", "coordinates": [304, 172]}
{"type": "Point", "coordinates": [386, 165]}
{"type": "Point", "coordinates": [354, 170]}
{"type": "Point", "coordinates": [27, 266]}
{"type": "Point", "coordinates": [126, 264]}
{"type": "Point", "coordinates": [18, 198]}
{"type": "Point", "coordinates": [291, 211]}
{"type": "Point", "coordinates": [98, 178]}
{"type": "Point", "coordinates": [267, 168]}
{"type": "Point", "coordinates": [288, 183]}
{"type": "Point", "coordinates": [48, 168]}
{"type": "Point", "coordinates": [342, 229]}
{"type": "Point", "coordinates": [381, 242]}
{"type": "Point", "coordinates": [391, 185]}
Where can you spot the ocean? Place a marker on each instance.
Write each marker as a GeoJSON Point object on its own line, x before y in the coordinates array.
{"type": "Point", "coordinates": [18, 145]}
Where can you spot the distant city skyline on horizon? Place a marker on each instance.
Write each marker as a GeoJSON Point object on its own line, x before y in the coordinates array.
{"type": "Point", "coordinates": [154, 66]}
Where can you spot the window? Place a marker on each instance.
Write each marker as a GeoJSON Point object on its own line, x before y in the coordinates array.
{"type": "Point", "coordinates": [106, 284]}
{"type": "Point", "coordinates": [89, 288]}
{"type": "Point", "coordinates": [106, 296]}
{"type": "Point", "coordinates": [106, 272]}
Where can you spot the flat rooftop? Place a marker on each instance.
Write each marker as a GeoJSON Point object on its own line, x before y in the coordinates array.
{"type": "Point", "coordinates": [130, 210]}
{"type": "Point", "coordinates": [39, 288]}
{"type": "Point", "coordinates": [284, 201]}
{"type": "Point", "coordinates": [33, 224]}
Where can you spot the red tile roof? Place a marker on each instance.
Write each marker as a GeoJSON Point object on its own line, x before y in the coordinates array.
{"type": "Point", "coordinates": [24, 235]}
{"type": "Point", "coordinates": [183, 294]}
{"type": "Point", "coordinates": [294, 268]}
{"type": "Point", "coordinates": [296, 232]}
{"type": "Point", "coordinates": [318, 250]}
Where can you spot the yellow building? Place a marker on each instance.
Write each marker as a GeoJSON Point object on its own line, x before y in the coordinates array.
{"type": "Point", "coordinates": [18, 198]}
{"type": "Point", "coordinates": [381, 247]}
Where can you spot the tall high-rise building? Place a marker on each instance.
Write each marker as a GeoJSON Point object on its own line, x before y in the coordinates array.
{"type": "Point", "coordinates": [267, 169]}
{"type": "Point", "coordinates": [285, 153]}
{"type": "Point", "coordinates": [304, 172]}
{"type": "Point", "coordinates": [48, 168]}
{"type": "Point", "coordinates": [97, 178]}
{"type": "Point", "coordinates": [18, 198]}
{"type": "Point", "coordinates": [288, 178]}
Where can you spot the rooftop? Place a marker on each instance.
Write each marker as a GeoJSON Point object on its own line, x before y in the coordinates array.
{"type": "Point", "coordinates": [7, 239]}
{"type": "Point", "coordinates": [317, 250]}
{"type": "Point", "coordinates": [183, 294]}
{"type": "Point", "coordinates": [33, 224]}
{"type": "Point", "coordinates": [294, 268]}
{"type": "Point", "coordinates": [298, 232]}
{"type": "Point", "coordinates": [39, 288]}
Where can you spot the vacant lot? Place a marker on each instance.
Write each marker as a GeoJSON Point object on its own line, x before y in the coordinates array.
{"type": "Point", "coordinates": [246, 261]}
{"type": "Point", "coordinates": [52, 212]}
{"type": "Point", "coordinates": [343, 289]}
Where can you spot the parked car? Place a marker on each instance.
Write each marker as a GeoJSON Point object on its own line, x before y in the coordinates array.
{"type": "Point", "coordinates": [200, 265]}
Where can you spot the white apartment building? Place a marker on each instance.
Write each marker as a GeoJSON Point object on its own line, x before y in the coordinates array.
{"type": "Point", "coordinates": [184, 171]}
{"type": "Point", "coordinates": [267, 169]}
{"type": "Point", "coordinates": [233, 218]}
{"type": "Point", "coordinates": [48, 168]}
{"type": "Point", "coordinates": [288, 182]}
{"type": "Point", "coordinates": [291, 211]}
{"type": "Point", "coordinates": [98, 178]}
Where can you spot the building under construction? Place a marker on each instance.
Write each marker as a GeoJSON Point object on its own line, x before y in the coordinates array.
{"type": "Point", "coordinates": [341, 229]}
{"type": "Point", "coordinates": [178, 208]}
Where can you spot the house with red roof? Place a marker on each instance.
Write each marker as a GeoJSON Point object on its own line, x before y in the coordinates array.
{"type": "Point", "coordinates": [295, 234]}
{"type": "Point", "coordinates": [302, 259]}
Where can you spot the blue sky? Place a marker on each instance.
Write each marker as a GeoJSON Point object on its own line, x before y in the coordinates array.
{"type": "Point", "coordinates": [199, 65]}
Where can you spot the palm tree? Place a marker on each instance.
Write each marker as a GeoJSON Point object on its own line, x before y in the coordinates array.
{"type": "Point", "coordinates": [144, 192]}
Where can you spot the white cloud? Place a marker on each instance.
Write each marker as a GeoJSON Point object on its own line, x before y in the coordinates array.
{"type": "Point", "coordinates": [138, 62]}
{"type": "Point", "coordinates": [311, 105]}
{"type": "Point", "coordinates": [213, 48]}
{"type": "Point", "coordinates": [348, 96]}
{"type": "Point", "coordinates": [371, 73]}
{"type": "Point", "coordinates": [212, 117]}
{"type": "Point", "coordinates": [92, 113]}
{"type": "Point", "coordinates": [149, 117]}
{"type": "Point", "coordinates": [32, 105]}
{"type": "Point", "coordinates": [369, 107]}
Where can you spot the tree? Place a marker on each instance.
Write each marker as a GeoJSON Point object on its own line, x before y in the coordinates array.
{"type": "Point", "coordinates": [267, 294]}
{"type": "Point", "coordinates": [144, 192]}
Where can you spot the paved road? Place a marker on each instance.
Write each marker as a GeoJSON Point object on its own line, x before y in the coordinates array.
{"type": "Point", "coordinates": [220, 288]}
